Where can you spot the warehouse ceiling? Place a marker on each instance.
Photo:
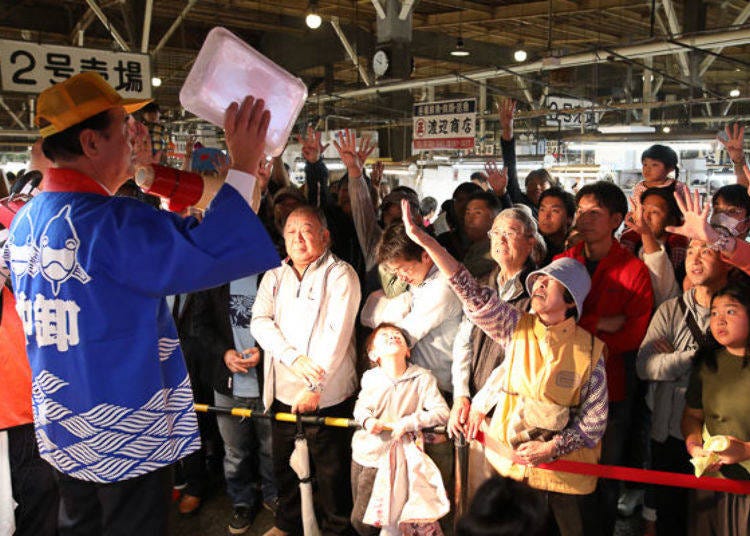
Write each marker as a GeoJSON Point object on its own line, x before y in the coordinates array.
{"type": "Point", "coordinates": [690, 84]}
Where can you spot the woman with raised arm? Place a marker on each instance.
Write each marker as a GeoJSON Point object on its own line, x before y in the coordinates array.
{"type": "Point", "coordinates": [550, 392]}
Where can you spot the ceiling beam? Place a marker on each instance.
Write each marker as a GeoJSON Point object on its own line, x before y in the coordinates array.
{"type": "Point", "coordinates": [675, 29]}
{"type": "Point", "coordinates": [175, 25]}
{"type": "Point", "coordinates": [108, 25]}
{"type": "Point", "coordinates": [525, 10]}
{"type": "Point", "coordinates": [709, 60]}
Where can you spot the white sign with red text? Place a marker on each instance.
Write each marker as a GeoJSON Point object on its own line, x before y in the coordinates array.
{"type": "Point", "coordinates": [444, 125]}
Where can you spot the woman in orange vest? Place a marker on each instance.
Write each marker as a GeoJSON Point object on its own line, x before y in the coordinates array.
{"type": "Point", "coordinates": [550, 392]}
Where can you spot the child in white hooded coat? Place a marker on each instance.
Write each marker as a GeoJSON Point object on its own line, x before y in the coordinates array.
{"type": "Point", "coordinates": [397, 400]}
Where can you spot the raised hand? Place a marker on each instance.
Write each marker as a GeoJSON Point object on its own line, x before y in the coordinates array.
{"type": "Point", "coordinates": [413, 231]}
{"type": "Point", "coordinates": [696, 218]}
{"type": "Point", "coordinates": [376, 175]}
{"type": "Point", "coordinates": [734, 142]}
{"type": "Point", "coordinates": [366, 147]}
{"type": "Point", "coordinates": [346, 145]}
{"type": "Point", "coordinates": [312, 147]}
{"type": "Point", "coordinates": [496, 177]}
{"type": "Point", "coordinates": [506, 109]}
{"type": "Point", "coordinates": [634, 219]}
{"type": "Point", "coordinates": [245, 127]}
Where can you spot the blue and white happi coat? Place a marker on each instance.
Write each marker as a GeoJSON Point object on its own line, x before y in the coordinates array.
{"type": "Point", "coordinates": [111, 394]}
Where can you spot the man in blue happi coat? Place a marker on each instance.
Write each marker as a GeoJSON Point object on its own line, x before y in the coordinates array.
{"type": "Point", "coordinates": [112, 401]}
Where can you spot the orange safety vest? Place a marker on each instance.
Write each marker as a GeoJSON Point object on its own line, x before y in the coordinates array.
{"type": "Point", "coordinates": [548, 364]}
{"type": "Point", "coordinates": [15, 402]}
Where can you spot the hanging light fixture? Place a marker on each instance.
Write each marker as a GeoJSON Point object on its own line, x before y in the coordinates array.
{"type": "Point", "coordinates": [734, 93]}
{"type": "Point", "coordinates": [156, 81]}
{"type": "Point", "coordinates": [313, 20]}
{"type": "Point", "coordinates": [460, 51]}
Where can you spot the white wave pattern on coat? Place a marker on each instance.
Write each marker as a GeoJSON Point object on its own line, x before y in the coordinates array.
{"type": "Point", "coordinates": [167, 347]}
{"type": "Point", "coordinates": [116, 442]}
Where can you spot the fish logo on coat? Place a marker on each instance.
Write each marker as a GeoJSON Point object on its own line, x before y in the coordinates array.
{"type": "Point", "coordinates": [58, 246]}
{"type": "Point", "coordinates": [20, 253]}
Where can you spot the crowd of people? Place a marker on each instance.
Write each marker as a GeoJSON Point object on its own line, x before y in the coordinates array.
{"type": "Point", "coordinates": [538, 324]}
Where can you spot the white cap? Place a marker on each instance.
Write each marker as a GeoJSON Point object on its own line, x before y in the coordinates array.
{"type": "Point", "coordinates": [571, 274]}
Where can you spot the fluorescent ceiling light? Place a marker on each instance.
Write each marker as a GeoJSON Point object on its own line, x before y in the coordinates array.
{"type": "Point", "coordinates": [625, 129]}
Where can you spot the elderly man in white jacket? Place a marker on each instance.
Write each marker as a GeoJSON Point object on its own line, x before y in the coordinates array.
{"type": "Point", "coordinates": [303, 318]}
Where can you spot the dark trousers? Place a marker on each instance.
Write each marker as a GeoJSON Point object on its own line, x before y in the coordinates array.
{"type": "Point", "coordinates": [330, 459]}
{"type": "Point", "coordinates": [34, 485]}
{"type": "Point", "coordinates": [671, 503]}
{"type": "Point", "coordinates": [135, 507]}
{"type": "Point", "coordinates": [363, 480]}
{"type": "Point", "coordinates": [567, 514]}
{"type": "Point", "coordinates": [601, 506]}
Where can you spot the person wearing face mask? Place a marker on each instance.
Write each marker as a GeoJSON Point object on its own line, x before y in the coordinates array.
{"type": "Point", "coordinates": [560, 410]}
{"type": "Point", "coordinates": [731, 209]}
{"type": "Point", "coordinates": [664, 359]}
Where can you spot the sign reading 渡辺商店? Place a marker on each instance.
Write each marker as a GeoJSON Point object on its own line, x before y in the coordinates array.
{"type": "Point", "coordinates": [444, 125]}
{"type": "Point", "coordinates": [32, 68]}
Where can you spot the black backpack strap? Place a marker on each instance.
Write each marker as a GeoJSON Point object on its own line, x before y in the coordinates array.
{"type": "Point", "coordinates": [698, 334]}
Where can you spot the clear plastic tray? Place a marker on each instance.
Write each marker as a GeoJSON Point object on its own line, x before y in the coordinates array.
{"type": "Point", "coordinates": [226, 70]}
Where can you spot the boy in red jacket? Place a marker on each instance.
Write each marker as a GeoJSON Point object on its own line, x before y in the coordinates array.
{"type": "Point", "coordinates": [617, 310]}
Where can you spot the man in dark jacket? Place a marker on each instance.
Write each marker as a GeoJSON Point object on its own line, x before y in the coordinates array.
{"type": "Point", "coordinates": [248, 469]}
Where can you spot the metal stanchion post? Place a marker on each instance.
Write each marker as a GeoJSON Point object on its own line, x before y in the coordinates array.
{"type": "Point", "coordinates": [461, 465]}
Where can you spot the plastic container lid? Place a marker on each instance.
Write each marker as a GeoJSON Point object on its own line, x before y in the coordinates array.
{"type": "Point", "coordinates": [227, 70]}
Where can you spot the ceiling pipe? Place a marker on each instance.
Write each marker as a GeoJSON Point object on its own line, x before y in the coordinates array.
{"type": "Point", "coordinates": [406, 6]}
{"type": "Point", "coordinates": [645, 50]}
{"type": "Point", "coordinates": [378, 9]}
{"type": "Point", "coordinates": [146, 25]}
{"type": "Point", "coordinates": [350, 51]}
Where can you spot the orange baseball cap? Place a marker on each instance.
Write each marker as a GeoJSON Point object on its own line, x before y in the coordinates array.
{"type": "Point", "coordinates": [76, 99]}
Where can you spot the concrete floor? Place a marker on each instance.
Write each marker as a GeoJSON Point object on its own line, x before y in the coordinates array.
{"type": "Point", "coordinates": [213, 517]}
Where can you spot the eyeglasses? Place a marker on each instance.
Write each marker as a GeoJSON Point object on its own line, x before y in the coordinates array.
{"type": "Point", "coordinates": [509, 234]}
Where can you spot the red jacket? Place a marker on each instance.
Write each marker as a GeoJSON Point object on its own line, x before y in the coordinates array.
{"type": "Point", "coordinates": [15, 402]}
{"type": "Point", "coordinates": [620, 286]}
